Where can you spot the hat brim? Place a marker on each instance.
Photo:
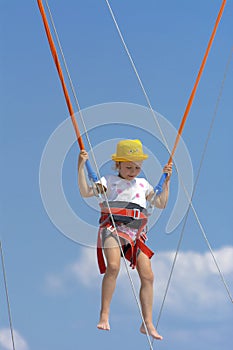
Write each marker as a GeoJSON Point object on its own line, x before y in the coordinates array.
{"type": "Point", "coordinates": [130, 158]}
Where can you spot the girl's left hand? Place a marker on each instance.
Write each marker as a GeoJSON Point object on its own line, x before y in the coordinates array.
{"type": "Point", "coordinates": [168, 169]}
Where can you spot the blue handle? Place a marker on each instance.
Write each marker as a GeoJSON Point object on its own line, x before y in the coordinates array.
{"type": "Point", "coordinates": [159, 188]}
{"type": "Point", "coordinates": [91, 174]}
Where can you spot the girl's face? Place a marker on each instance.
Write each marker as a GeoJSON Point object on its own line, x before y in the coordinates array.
{"type": "Point", "coordinates": [129, 170]}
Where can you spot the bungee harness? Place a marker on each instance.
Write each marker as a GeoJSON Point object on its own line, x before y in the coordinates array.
{"type": "Point", "coordinates": [130, 214]}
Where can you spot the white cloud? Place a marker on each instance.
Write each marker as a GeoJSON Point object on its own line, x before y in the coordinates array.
{"type": "Point", "coordinates": [195, 284]}
{"type": "Point", "coordinates": [83, 271]}
{"type": "Point", "coordinates": [6, 340]}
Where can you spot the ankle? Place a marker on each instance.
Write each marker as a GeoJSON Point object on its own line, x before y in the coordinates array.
{"type": "Point", "coordinates": [104, 313]}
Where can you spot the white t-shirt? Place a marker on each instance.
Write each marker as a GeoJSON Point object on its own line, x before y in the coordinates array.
{"type": "Point", "coordinates": [119, 189]}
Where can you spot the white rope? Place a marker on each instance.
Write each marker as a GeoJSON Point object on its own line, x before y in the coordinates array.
{"type": "Point", "coordinates": [138, 77]}
{"type": "Point", "coordinates": [165, 142]}
{"type": "Point", "coordinates": [7, 297]}
{"type": "Point", "coordinates": [99, 177]}
{"type": "Point", "coordinates": [194, 190]}
{"type": "Point", "coordinates": [73, 89]}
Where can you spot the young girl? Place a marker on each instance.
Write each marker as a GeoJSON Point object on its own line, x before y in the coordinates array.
{"type": "Point", "coordinates": [127, 196]}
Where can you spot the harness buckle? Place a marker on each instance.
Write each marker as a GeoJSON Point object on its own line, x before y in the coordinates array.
{"type": "Point", "coordinates": [111, 228]}
{"type": "Point", "coordinates": [136, 214]}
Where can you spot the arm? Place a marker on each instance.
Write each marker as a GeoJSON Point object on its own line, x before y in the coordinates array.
{"type": "Point", "coordinates": [85, 189]}
{"type": "Point", "coordinates": [160, 201]}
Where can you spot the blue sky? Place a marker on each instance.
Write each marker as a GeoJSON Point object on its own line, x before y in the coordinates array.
{"type": "Point", "coordinates": [54, 285]}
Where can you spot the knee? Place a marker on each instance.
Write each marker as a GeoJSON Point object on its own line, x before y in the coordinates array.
{"type": "Point", "coordinates": [147, 277]}
{"type": "Point", "coordinates": [113, 269]}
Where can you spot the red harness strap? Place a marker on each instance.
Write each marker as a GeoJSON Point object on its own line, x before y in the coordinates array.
{"type": "Point", "coordinates": [131, 254]}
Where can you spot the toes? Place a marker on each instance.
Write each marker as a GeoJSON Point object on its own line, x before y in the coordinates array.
{"type": "Point", "coordinates": [103, 326]}
{"type": "Point", "coordinates": [152, 332]}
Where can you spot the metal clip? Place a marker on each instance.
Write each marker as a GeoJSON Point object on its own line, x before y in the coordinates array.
{"type": "Point", "coordinates": [136, 214]}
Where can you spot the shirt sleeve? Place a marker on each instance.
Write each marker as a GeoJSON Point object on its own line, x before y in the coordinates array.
{"type": "Point", "coordinates": [103, 181]}
{"type": "Point", "coordinates": [149, 188]}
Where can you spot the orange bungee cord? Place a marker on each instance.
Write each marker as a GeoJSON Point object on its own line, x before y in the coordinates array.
{"type": "Point", "coordinates": [91, 174]}
{"type": "Point", "coordinates": [158, 189]}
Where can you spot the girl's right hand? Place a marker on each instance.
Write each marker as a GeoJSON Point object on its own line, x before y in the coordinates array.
{"type": "Point", "coordinates": [83, 157]}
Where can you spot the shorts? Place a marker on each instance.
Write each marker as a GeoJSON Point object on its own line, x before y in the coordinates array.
{"type": "Point", "coordinates": [132, 232]}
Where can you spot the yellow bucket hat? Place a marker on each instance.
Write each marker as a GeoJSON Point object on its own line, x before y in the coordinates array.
{"type": "Point", "coordinates": [129, 151]}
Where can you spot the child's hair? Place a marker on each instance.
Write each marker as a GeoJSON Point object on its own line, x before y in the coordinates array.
{"type": "Point", "coordinates": [116, 166]}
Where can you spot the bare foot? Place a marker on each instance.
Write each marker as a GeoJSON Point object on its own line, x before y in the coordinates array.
{"type": "Point", "coordinates": [151, 330]}
{"type": "Point", "coordinates": [103, 323]}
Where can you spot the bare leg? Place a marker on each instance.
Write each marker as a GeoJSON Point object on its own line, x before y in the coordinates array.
{"type": "Point", "coordinates": [113, 257]}
{"type": "Point", "coordinates": [146, 294]}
